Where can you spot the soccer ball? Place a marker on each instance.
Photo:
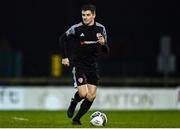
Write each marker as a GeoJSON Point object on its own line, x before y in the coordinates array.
{"type": "Point", "coordinates": [98, 119]}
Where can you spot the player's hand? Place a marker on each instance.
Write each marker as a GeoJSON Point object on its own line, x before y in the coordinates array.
{"type": "Point", "coordinates": [65, 61]}
{"type": "Point", "coordinates": [101, 40]}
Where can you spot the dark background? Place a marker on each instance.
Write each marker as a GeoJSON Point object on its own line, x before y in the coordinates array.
{"type": "Point", "coordinates": [134, 28]}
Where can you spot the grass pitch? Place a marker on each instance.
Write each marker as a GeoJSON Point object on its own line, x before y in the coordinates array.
{"type": "Point", "coordinates": [116, 119]}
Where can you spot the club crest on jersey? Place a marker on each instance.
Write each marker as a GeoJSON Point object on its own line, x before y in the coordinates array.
{"type": "Point", "coordinates": [98, 35]}
{"type": "Point", "coordinates": [80, 80]}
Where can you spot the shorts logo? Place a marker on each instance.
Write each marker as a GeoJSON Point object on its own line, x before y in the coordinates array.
{"type": "Point", "coordinates": [80, 80]}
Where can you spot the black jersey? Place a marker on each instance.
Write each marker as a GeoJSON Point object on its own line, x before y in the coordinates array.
{"type": "Point", "coordinates": [84, 46]}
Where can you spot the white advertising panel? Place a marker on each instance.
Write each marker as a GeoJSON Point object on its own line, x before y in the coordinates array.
{"type": "Point", "coordinates": [58, 98]}
{"type": "Point", "coordinates": [11, 98]}
{"type": "Point", "coordinates": [136, 98]}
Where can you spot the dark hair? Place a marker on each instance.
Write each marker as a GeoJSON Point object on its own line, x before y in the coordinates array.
{"type": "Point", "coordinates": [90, 7]}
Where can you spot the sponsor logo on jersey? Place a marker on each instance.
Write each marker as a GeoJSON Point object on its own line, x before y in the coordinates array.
{"type": "Point", "coordinates": [87, 42]}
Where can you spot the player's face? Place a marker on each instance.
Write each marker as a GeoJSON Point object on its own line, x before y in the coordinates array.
{"type": "Point", "coordinates": [88, 17]}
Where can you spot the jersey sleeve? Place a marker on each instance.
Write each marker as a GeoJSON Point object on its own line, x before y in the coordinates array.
{"type": "Point", "coordinates": [70, 31]}
{"type": "Point", "coordinates": [105, 47]}
{"type": "Point", "coordinates": [63, 41]}
{"type": "Point", "coordinates": [104, 33]}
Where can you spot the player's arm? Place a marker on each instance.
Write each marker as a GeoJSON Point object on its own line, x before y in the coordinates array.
{"type": "Point", "coordinates": [64, 45]}
{"type": "Point", "coordinates": [102, 39]}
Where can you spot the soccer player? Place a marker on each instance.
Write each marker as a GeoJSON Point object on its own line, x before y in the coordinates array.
{"type": "Point", "coordinates": [89, 39]}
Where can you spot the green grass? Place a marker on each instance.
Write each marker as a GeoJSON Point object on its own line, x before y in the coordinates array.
{"type": "Point", "coordinates": [116, 119]}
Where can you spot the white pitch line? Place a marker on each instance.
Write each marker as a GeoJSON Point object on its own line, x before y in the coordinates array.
{"type": "Point", "coordinates": [20, 118]}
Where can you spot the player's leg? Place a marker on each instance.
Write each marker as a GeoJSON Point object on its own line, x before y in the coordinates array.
{"type": "Point", "coordinates": [91, 95]}
{"type": "Point", "coordinates": [92, 80]}
{"type": "Point", "coordinates": [86, 104]}
{"type": "Point", "coordinates": [83, 91]}
{"type": "Point", "coordinates": [80, 84]}
{"type": "Point", "coordinates": [78, 96]}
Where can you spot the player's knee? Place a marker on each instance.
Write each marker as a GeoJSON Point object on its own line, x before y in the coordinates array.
{"type": "Point", "coordinates": [82, 94]}
{"type": "Point", "coordinates": [91, 97]}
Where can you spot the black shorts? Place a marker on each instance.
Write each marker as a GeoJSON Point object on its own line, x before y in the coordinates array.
{"type": "Point", "coordinates": [82, 77]}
